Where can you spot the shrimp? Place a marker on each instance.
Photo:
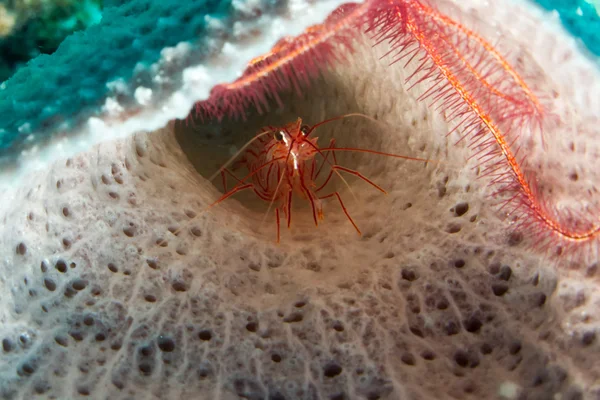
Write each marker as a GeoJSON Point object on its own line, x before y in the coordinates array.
{"type": "Point", "coordinates": [282, 161]}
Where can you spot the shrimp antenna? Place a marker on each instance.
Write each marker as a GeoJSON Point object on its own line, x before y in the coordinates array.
{"type": "Point", "coordinates": [333, 149]}
{"type": "Point", "coordinates": [342, 117]}
{"type": "Point", "coordinates": [322, 155]}
{"type": "Point", "coordinates": [273, 199]}
{"type": "Point", "coordinates": [237, 153]}
{"type": "Point", "coordinates": [381, 153]}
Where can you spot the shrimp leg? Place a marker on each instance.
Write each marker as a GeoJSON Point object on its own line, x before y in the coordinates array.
{"type": "Point", "coordinates": [224, 178]}
{"type": "Point", "coordinates": [358, 174]}
{"type": "Point", "coordinates": [309, 195]}
{"type": "Point", "coordinates": [289, 209]}
{"type": "Point", "coordinates": [277, 222]}
{"type": "Point", "coordinates": [343, 208]}
{"type": "Point", "coordinates": [331, 146]}
{"type": "Point", "coordinates": [229, 194]}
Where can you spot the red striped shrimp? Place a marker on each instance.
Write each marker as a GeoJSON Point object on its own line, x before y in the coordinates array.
{"type": "Point", "coordinates": [282, 161]}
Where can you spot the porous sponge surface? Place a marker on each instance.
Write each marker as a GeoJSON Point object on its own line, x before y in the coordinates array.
{"type": "Point", "coordinates": [105, 301]}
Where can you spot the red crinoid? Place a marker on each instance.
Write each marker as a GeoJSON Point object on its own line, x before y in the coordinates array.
{"type": "Point", "coordinates": [291, 64]}
{"type": "Point", "coordinates": [490, 100]}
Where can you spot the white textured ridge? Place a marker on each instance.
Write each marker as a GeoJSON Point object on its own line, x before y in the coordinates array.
{"type": "Point", "coordinates": [252, 37]}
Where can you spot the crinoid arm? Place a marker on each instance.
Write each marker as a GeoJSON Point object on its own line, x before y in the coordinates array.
{"type": "Point", "coordinates": [291, 65]}
{"type": "Point", "coordinates": [492, 105]}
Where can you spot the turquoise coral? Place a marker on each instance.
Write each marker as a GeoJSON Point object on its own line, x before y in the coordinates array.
{"type": "Point", "coordinates": [580, 18]}
{"type": "Point", "coordinates": [32, 27]}
{"type": "Point", "coordinates": [67, 87]}
{"type": "Point", "coordinates": [130, 33]}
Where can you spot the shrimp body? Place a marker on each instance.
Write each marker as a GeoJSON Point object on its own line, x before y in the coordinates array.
{"type": "Point", "coordinates": [282, 161]}
{"type": "Point", "coordinates": [283, 164]}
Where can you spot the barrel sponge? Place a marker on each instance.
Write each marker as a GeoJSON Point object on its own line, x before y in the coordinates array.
{"type": "Point", "coordinates": [116, 283]}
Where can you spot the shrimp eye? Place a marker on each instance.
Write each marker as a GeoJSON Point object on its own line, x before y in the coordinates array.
{"type": "Point", "coordinates": [279, 136]}
{"type": "Point", "coordinates": [305, 129]}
